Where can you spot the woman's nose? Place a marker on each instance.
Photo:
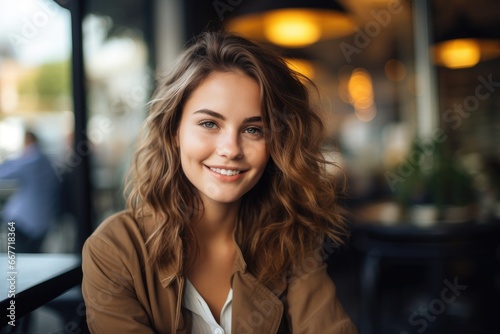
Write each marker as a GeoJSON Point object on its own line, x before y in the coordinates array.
{"type": "Point", "coordinates": [229, 146]}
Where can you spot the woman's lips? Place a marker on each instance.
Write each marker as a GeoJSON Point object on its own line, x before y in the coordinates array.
{"type": "Point", "coordinates": [227, 174]}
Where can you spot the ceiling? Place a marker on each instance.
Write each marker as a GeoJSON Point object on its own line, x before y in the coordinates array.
{"type": "Point", "coordinates": [395, 40]}
{"type": "Point", "coordinates": [392, 41]}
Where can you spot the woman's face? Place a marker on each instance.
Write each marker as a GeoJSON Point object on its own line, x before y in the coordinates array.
{"type": "Point", "coordinates": [220, 137]}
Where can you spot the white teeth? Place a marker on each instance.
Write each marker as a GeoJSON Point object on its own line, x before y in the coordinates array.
{"type": "Point", "coordinates": [225, 171]}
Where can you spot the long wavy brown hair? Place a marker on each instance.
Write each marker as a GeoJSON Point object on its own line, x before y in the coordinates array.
{"type": "Point", "coordinates": [292, 209]}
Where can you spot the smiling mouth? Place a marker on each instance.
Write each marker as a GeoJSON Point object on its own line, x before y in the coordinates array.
{"type": "Point", "coordinates": [228, 172]}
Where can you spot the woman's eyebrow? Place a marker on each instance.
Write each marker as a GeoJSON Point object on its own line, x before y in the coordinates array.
{"type": "Point", "coordinates": [212, 113]}
{"type": "Point", "coordinates": [253, 119]}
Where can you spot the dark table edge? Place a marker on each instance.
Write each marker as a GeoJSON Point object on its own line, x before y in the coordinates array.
{"type": "Point", "coordinates": [40, 294]}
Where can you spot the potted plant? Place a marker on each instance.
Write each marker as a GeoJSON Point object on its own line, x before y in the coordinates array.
{"type": "Point", "coordinates": [436, 188]}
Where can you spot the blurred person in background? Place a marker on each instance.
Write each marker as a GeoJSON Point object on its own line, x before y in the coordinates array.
{"type": "Point", "coordinates": [33, 205]}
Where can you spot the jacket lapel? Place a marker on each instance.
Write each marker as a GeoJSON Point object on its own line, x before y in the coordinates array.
{"type": "Point", "coordinates": [256, 309]}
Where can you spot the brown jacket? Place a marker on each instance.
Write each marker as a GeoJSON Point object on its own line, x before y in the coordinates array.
{"type": "Point", "coordinates": [123, 295]}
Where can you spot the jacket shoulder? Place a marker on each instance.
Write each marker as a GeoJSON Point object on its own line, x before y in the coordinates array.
{"type": "Point", "coordinates": [119, 222]}
{"type": "Point", "coordinates": [122, 233]}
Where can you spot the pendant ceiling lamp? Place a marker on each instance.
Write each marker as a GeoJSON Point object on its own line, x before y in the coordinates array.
{"type": "Point", "coordinates": [291, 23]}
{"type": "Point", "coordinates": [465, 45]}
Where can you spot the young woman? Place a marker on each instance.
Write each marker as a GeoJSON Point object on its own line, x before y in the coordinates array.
{"type": "Point", "coordinates": [230, 204]}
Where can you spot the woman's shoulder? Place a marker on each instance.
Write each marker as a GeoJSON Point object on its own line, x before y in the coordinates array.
{"type": "Point", "coordinates": [121, 232]}
{"type": "Point", "coordinates": [116, 225]}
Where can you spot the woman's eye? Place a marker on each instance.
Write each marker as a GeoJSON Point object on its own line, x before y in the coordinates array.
{"type": "Point", "coordinates": [208, 125]}
{"type": "Point", "coordinates": [254, 131]}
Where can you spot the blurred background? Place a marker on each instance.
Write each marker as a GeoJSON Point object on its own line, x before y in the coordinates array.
{"type": "Point", "coordinates": [410, 92]}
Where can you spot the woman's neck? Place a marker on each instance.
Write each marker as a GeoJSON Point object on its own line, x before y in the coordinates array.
{"type": "Point", "coordinates": [218, 222]}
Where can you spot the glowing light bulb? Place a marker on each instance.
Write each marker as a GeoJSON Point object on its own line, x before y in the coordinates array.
{"type": "Point", "coordinates": [292, 27]}
{"type": "Point", "coordinates": [459, 53]}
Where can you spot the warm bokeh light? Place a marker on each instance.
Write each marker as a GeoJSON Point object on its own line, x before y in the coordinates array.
{"type": "Point", "coordinates": [458, 53]}
{"type": "Point", "coordinates": [292, 28]}
{"type": "Point", "coordinates": [466, 52]}
{"type": "Point", "coordinates": [360, 89]}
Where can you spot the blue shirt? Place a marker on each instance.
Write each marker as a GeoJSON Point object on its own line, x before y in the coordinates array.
{"type": "Point", "coordinates": [32, 206]}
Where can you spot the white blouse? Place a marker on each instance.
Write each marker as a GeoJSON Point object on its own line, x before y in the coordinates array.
{"type": "Point", "coordinates": [203, 319]}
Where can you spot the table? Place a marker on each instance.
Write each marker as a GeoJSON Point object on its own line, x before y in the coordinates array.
{"type": "Point", "coordinates": [37, 279]}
